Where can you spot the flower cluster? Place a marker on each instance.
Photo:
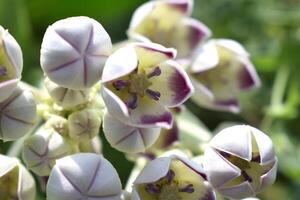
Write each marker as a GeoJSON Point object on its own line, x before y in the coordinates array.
{"type": "Point", "coordinates": [134, 92]}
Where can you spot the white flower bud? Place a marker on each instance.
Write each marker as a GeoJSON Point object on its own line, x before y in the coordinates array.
{"type": "Point", "coordinates": [66, 97]}
{"type": "Point", "coordinates": [240, 162]}
{"type": "Point", "coordinates": [41, 150]}
{"type": "Point", "coordinates": [74, 51]}
{"type": "Point", "coordinates": [128, 138]}
{"type": "Point", "coordinates": [11, 64]}
{"type": "Point", "coordinates": [15, 181]}
{"type": "Point", "coordinates": [17, 115]}
{"type": "Point", "coordinates": [84, 176]}
{"type": "Point", "coordinates": [84, 124]}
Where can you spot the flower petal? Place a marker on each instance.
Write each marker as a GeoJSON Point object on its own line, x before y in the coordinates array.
{"type": "Point", "coordinates": [120, 63]}
{"type": "Point", "coordinates": [187, 36]}
{"type": "Point", "coordinates": [152, 54]}
{"type": "Point", "coordinates": [173, 84]}
{"type": "Point", "coordinates": [240, 191]}
{"type": "Point", "coordinates": [270, 177]}
{"type": "Point", "coordinates": [222, 172]}
{"type": "Point", "coordinates": [241, 146]}
{"type": "Point", "coordinates": [206, 58]}
{"type": "Point", "coordinates": [7, 88]}
{"type": "Point", "coordinates": [232, 45]}
{"type": "Point", "coordinates": [154, 170]}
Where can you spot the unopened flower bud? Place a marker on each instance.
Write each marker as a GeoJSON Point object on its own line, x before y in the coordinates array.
{"type": "Point", "coordinates": [59, 124]}
{"type": "Point", "coordinates": [74, 51]}
{"type": "Point", "coordinates": [17, 115]}
{"type": "Point", "coordinates": [15, 181]}
{"type": "Point", "coordinates": [172, 178]}
{"type": "Point", "coordinates": [41, 150]}
{"type": "Point", "coordinates": [91, 146]}
{"type": "Point", "coordinates": [11, 64]}
{"type": "Point", "coordinates": [240, 161]}
{"type": "Point", "coordinates": [84, 124]}
{"type": "Point", "coordinates": [66, 97]}
{"type": "Point", "coordinates": [128, 138]}
{"type": "Point", "coordinates": [84, 176]}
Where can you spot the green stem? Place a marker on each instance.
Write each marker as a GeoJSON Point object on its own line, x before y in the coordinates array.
{"type": "Point", "coordinates": [279, 86]}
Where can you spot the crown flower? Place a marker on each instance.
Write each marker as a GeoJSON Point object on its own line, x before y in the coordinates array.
{"type": "Point", "coordinates": [15, 181]}
{"type": "Point", "coordinates": [127, 138]}
{"type": "Point", "coordinates": [84, 176]}
{"type": "Point", "coordinates": [240, 161]}
{"type": "Point", "coordinates": [168, 23]}
{"type": "Point", "coordinates": [172, 178]}
{"type": "Point", "coordinates": [220, 71]}
{"type": "Point", "coordinates": [41, 150]}
{"type": "Point", "coordinates": [11, 64]}
{"type": "Point", "coordinates": [140, 81]}
{"type": "Point", "coordinates": [74, 51]}
{"type": "Point", "coordinates": [17, 115]}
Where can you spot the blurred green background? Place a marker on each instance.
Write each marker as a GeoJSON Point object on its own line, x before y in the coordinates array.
{"type": "Point", "coordinates": [269, 29]}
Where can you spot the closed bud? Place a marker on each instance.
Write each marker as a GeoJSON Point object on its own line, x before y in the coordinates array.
{"type": "Point", "coordinates": [84, 124]}
{"type": "Point", "coordinates": [17, 115]}
{"type": "Point", "coordinates": [91, 146]}
{"type": "Point", "coordinates": [240, 161]}
{"type": "Point", "coordinates": [11, 64]}
{"type": "Point", "coordinates": [128, 138]}
{"type": "Point", "coordinates": [74, 51]}
{"type": "Point", "coordinates": [84, 176]}
{"type": "Point", "coordinates": [66, 97]}
{"type": "Point", "coordinates": [15, 181]}
{"type": "Point", "coordinates": [41, 150]}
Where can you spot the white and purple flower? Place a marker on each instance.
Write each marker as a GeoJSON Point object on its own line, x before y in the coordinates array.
{"type": "Point", "coordinates": [240, 162]}
{"type": "Point", "coordinates": [140, 81]}
{"type": "Point", "coordinates": [167, 22]}
{"type": "Point", "coordinates": [172, 178]}
{"type": "Point", "coordinates": [221, 69]}
{"type": "Point", "coordinates": [11, 64]}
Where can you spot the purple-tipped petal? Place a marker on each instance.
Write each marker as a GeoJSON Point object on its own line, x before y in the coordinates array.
{"type": "Point", "coordinates": [152, 54]}
{"type": "Point", "coordinates": [247, 76]}
{"type": "Point", "coordinates": [184, 6]}
{"type": "Point", "coordinates": [120, 63]}
{"type": "Point", "coordinates": [154, 171]}
{"type": "Point", "coordinates": [173, 84]}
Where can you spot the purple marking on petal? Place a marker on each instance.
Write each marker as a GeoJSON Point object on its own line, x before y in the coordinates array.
{"type": "Point", "coordinates": [182, 6]}
{"type": "Point", "coordinates": [169, 53]}
{"type": "Point", "coordinates": [246, 79]}
{"type": "Point", "coordinates": [2, 71]}
{"type": "Point", "coordinates": [209, 195]}
{"type": "Point", "coordinates": [188, 189]}
{"type": "Point", "coordinates": [132, 102]}
{"type": "Point", "coordinates": [246, 176]}
{"type": "Point", "coordinates": [179, 86]}
{"type": "Point", "coordinates": [153, 94]}
{"type": "Point", "coordinates": [256, 159]}
{"type": "Point", "coordinates": [170, 176]}
{"type": "Point", "coordinates": [120, 84]}
{"type": "Point", "coordinates": [224, 154]}
{"type": "Point", "coordinates": [152, 189]}
{"type": "Point", "coordinates": [196, 35]}
{"type": "Point", "coordinates": [152, 119]}
{"type": "Point", "coordinates": [155, 72]}
{"type": "Point", "coordinates": [171, 136]}
{"type": "Point", "coordinates": [229, 102]}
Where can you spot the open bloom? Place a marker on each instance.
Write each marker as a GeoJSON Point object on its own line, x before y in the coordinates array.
{"type": "Point", "coordinates": [172, 178]}
{"type": "Point", "coordinates": [167, 22]}
{"type": "Point", "coordinates": [11, 64]}
{"type": "Point", "coordinates": [74, 51]}
{"type": "Point", "coordinates": [85, 176]}
{"type": "Point", "coordinates": [240, 161]}
{"type": "Point", "coordinates": [140, 81]}
{"type": "Point", "coordinates": [220, 71]}
{"type": "Point", "coordinates": [15, 181]}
